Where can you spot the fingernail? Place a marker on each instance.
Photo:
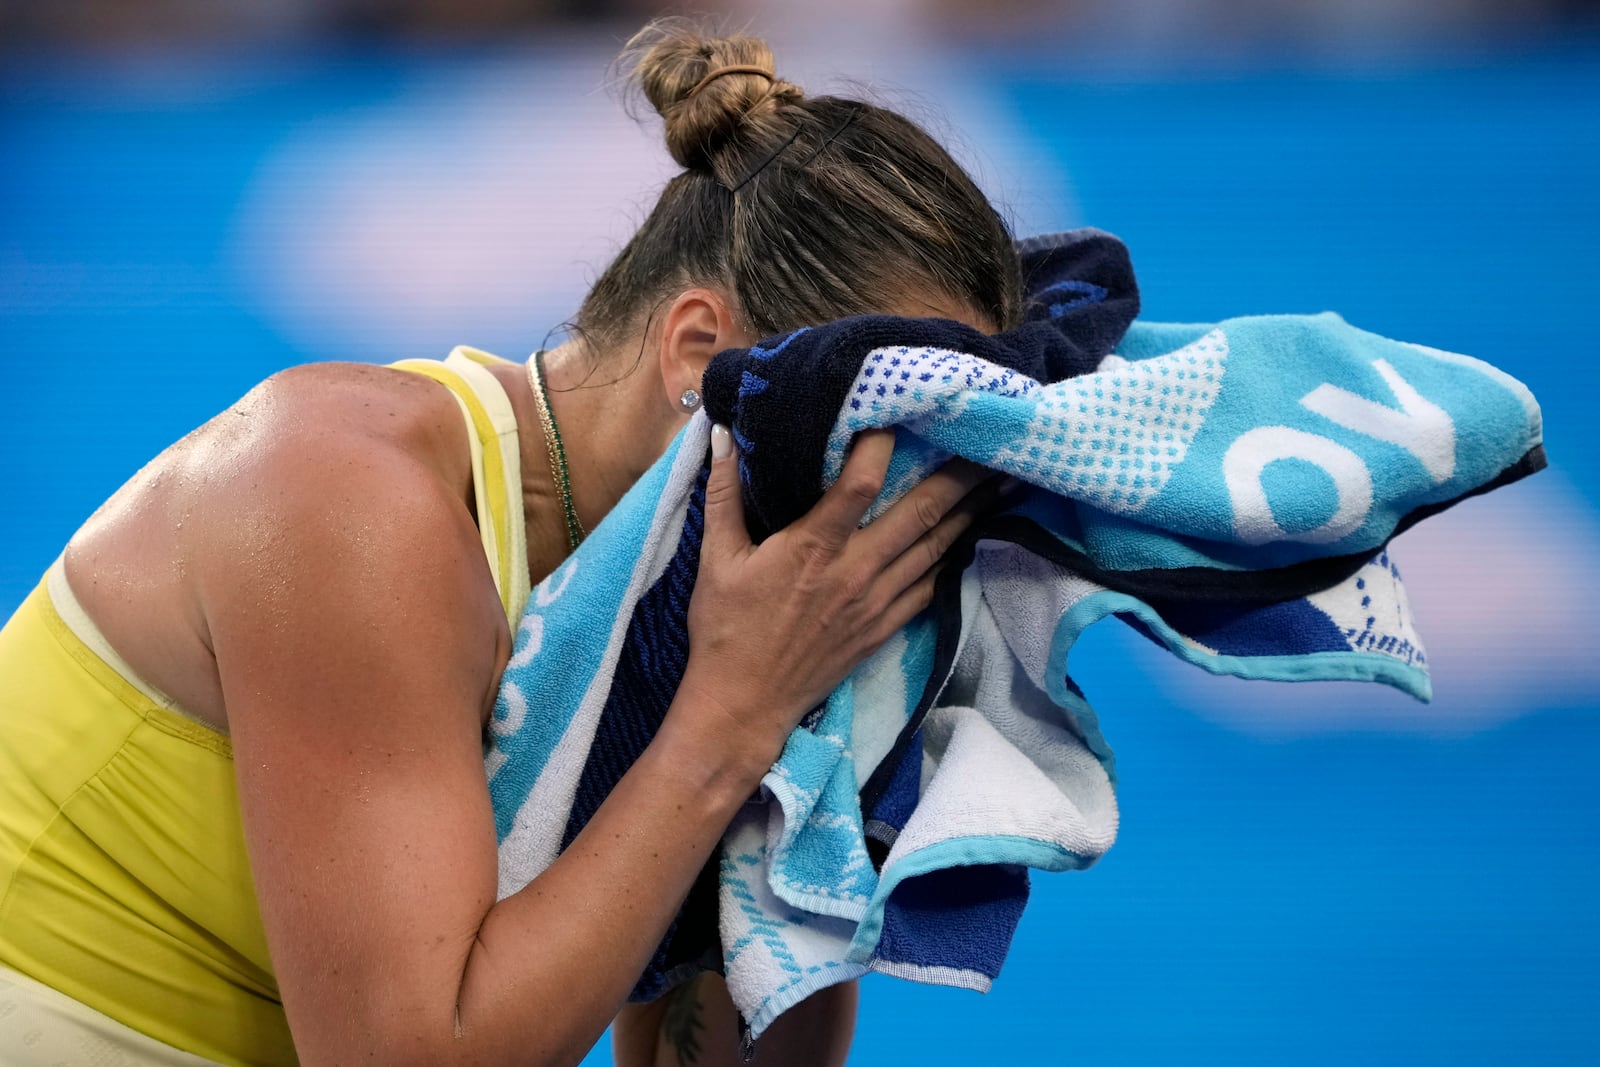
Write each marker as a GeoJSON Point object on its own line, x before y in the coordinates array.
{"type": "Point", "coordinates": [721, 442]}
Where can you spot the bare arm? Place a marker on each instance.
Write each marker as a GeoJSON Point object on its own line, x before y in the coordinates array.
{"type": "Point", "coordinates": [358, 654]}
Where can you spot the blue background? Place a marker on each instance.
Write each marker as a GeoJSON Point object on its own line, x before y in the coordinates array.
{"type": "Point", "coordinates": [1335, 895]}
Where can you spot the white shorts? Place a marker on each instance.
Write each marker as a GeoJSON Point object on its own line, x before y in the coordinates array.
{"type": "Point", "coordinates": [43, 1027]}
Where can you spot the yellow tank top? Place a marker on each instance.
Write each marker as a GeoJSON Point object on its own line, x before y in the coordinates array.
{"type": "Point", "coordinates": [124, 881]}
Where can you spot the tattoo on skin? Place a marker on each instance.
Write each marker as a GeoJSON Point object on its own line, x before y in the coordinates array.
{"type": "Point", "coordinates": [682, 1019]}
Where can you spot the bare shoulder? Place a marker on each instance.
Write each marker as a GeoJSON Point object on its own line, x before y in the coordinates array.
{"type": "Point", "coordinates": [300, 413]}
{"type": "Point", "coordinates": [327, 481]}
{"type": "Point", "coordinates": [323, 444]}
{"type": "Point", "coordinates": [347, 501]}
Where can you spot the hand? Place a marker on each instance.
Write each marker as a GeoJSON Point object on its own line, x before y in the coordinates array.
{"type": "Point", "coordinates": [773, 628]}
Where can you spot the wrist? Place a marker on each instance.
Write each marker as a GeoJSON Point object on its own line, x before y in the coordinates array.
{"type": "Point", "coordinates": [724, 744]}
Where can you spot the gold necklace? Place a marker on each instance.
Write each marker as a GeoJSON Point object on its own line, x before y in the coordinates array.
{"type": "Point", "coordinates": [558, 455]}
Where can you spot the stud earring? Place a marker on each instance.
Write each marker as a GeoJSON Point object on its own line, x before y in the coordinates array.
{"type": "Point", "coordinates": [689, 400]}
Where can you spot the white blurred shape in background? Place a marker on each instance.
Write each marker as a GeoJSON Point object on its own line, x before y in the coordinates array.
{"type": "Point", "coordinates": [480, 204]}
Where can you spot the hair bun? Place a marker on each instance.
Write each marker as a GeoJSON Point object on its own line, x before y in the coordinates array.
{"type": "Point", "coordinates": [702, 112]}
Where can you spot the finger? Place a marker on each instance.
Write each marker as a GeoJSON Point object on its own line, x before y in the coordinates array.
{"type": "Point", "coordinates": [911, 602]}
{"type": "Point", "coordinates": [928, 551]}
{"type": "Point", "coordinates": [838, 514]}
{"type": "Point", "coordinates": [725, 531]}
{"type": "Point", "coordinates": [921, 510]}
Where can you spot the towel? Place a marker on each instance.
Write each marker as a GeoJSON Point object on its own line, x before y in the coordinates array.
{"type": "Point", "coordinates": [1226, 489]}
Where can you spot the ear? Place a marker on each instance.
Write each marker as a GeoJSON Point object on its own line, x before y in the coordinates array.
{"type": "Point", "coordinates": [697, 326]}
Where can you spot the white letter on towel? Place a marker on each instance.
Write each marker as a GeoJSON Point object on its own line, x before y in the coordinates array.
{"type": "Point", "coordinates": [533, 626]}
{"type": "Point", "coordinates": [1421, 427]}
{"type": "Point", "coordinates": [516, 707]}
{"type": "Point", "coordinates": [1248, 456]}
{"type": "Point", "coordinates": [546, 594]}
